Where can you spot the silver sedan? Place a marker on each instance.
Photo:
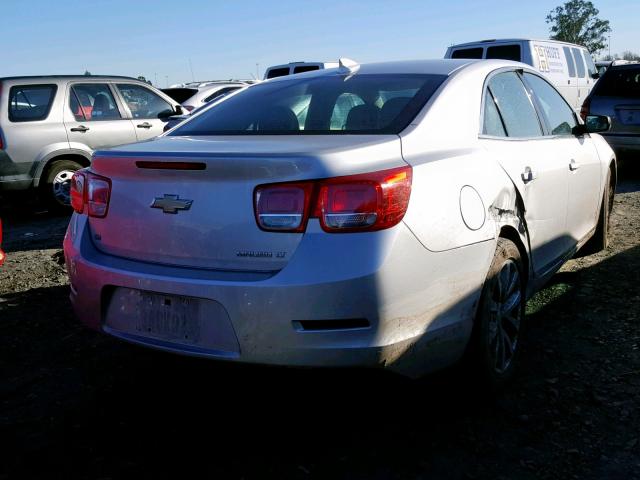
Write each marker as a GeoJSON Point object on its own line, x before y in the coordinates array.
{"type": "Point", "coordinates": [394, 215]}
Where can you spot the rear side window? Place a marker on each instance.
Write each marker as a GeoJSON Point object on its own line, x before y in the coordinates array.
{"type": "Point", "coordinates": [278, 72]}
{"type": "Point", "coordinates": [570, 65]}
{"type": "Point", "coordinates": [492, 124]}
{"type": "Point", "coordinates": [180, 95]}
{"type": "Point", "coordinates": [591, 67]}
{"type": "Point", "coordinates": [558, 115]}
{"type": "Point", "coordinates": [306, 68]}
{"type": "Point", "coordinates": [220, 93]}
{"type": "Point", "coordinates": [504, 52]}
{"type": "Point", "coordinates": [579, 62]}
{"type": "Point", "coordinates": [619, 82]}
{"type": "Point", "coordinates": [30, 103]}
{"type": "Point", "coordinates": [93, 101]}
{"type": "Point", "coordinates": [519, 116]}
{"type": "Point", "coordinates": [467, 53]}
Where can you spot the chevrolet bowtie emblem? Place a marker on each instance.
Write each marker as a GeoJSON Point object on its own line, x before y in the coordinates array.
{"type": "Point", "coordinates": [171, 203]}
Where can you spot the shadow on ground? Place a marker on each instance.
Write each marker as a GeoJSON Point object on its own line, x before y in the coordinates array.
{"type": "Point", "coordinates": [79, 404]}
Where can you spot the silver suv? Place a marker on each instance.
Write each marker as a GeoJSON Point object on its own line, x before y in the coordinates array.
{"type": "Point", "coordinates": [50, 126]}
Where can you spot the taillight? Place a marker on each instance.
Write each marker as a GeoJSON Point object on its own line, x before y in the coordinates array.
{"type": "Point", "coordinates": [91, 191]}
{"type": "Point", "coordinates": [584, 110]}
{"type": "Point", "coordinates": [365, 202]}
{"type": "Point", "coordinates": [284, 206]}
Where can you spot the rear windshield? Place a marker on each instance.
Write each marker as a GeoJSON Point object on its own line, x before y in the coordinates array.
{"type": "Point", "coordinates": [30, 103]}
{"type": "Point", "coordinates": [180, 95]}
{"type": "Point", "coordinates": [328, 104]}
{"type": "Point", "coordinates": [620, 82]}
{"type": "Point", "coordinates": [467, 53]}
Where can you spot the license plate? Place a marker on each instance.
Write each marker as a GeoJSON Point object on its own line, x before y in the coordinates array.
{"type": "Point", "coordinates": [189, 323]}
{"type": "Point", "coordinates": [630, 116]}
{"type": "Point", "coordinates": [169, 318]}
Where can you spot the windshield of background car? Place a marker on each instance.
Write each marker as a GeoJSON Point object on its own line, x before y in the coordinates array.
{"type": "Point", "coordinates": [620, 82]}
{"type": "Point", "coordinates": [321, 105]}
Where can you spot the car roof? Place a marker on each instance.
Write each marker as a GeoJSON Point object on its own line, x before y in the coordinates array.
{"type": "Point", "coordinates": [71, 77]}
{"type": "Point", "coordinates": [505, 40]}
{"type": "Point", "coordinates": [440, 66]}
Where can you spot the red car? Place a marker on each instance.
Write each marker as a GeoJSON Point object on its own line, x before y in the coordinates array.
{"type": "Point", "coordinates": [1, 252]}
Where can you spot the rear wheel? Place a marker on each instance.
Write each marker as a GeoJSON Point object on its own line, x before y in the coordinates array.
{"type": "Point", "coordinates": [55, 190]}
{"type": "Point", "coordinates": [600, 239]}
{"type": "Point", "coordinates": [498, 332]}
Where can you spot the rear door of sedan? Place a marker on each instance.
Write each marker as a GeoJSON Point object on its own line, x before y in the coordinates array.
{"type": "Point", "coordinates": [577, 153]}
{"type": "Point", "coordinates": [513, 134]}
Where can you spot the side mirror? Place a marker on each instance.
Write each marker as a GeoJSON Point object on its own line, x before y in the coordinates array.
{"type": "Point", "coordinates": [593, 124]}
{"type": "Point", "coordinates": [179, 110]}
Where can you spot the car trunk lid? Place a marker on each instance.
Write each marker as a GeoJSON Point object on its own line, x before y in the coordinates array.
{"type": "Point", "coordinates": [198, 211]}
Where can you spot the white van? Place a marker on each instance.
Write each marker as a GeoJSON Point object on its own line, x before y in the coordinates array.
{"type": "Point", "coordinates": [568, 66]}
{"type": "Point", "coordinates": [296, 67]}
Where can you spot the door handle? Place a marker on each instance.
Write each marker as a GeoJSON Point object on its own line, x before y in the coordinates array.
{"type": "Point", "coordinates": [573, 165]}
{"type": "Point", "coordinates": [144, 125]}
{"type": "Point", "coordinates": [80, 128]}
{"type": "Point", "coordinates": [528, 175]}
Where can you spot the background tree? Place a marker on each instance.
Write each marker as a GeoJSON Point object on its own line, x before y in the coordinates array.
{"type": "Point", "coordinates": [143, 79]}
{"type": "Point", "coordinates": [577, 22]}
{"type": "Point", "coordinates": [87, 73]}
{"type": "Point", "coordinates": [628, 55]}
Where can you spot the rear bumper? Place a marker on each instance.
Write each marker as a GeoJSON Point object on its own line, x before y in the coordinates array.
{"type": "Point", "coordinates": [419, 305]}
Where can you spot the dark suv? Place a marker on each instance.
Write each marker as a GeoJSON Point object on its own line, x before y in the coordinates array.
{"type": "Point", "coordinates": [50, 126]}
{"type": "Point", "coordinates": [617, 94]}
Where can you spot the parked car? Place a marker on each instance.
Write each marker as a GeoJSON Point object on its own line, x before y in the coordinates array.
{"type": "Point", "coordinates": [567, 66]}
{"type": "Point", "coordinates": [401, 223]}
{"type": "Point", "coordinates": [617, 95]}
{"type": "Point", "coordinates": [177, 119]}
{"type": "Point", "coordinates": [603, 65]}
{"type": "Point", "coordinates": [2, 255]}
{"type": "Point", "coordinates": [50, 126]}
{"type": "Point", "coordinates": [192, 97]}
{"type": "Point", "coordinates": [296, 67]}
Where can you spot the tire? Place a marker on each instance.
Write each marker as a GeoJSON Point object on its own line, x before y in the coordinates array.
{"type": "Point", "coordinates": [600, 239]}
{"type": "Point", "coordinates": [496, 342]}
{"type": "Point", "coordinates": [54, 190]}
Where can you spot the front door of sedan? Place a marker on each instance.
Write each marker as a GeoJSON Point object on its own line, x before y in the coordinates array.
{"type": "Point", "coordinates": [513, 135]}
{"type": "Point", "coordinates": [578, 154]}
{"type": "Point", "coordinates": [93, 117]}
{"type": "Point", "coordinates": [149, 111]}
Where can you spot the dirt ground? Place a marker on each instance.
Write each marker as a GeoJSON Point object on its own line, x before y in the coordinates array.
{"type": "Point", "coordinates": [76, 404]}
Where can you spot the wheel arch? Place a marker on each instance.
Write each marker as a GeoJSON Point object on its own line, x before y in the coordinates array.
{"type": "Point", "coordinates": [45, 165]}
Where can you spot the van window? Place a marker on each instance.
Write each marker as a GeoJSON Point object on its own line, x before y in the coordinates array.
{"type": "Point", "coordinates": [278, 72]}
{"type": "Point", "coordinates": [504, 52]}
{"type": "Point", "coordinates": [519, 116]}
{"type": "Point", "coordinates": [30, 103]}
{"type": "Point", "coordinates": [492, 124]}
{"type": "Point", "coordinates": [305, 68]}
{"type": "Point", "coordinates": [591, 67]}
{"type": "Point", "coordinates": [467, 53]}
{"type": "Point", "coordinates": [557, 113]}
{"type": "Point", "coordinates": [570, 65]}
{"type": "Point", "coordinates": [579, 62]}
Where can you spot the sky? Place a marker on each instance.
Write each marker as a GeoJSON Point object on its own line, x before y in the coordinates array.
{"type": "Point", "coordinates": [181, 40]}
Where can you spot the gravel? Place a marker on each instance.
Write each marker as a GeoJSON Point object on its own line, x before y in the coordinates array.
{"type": "Point", "coordinates": [76, 404]}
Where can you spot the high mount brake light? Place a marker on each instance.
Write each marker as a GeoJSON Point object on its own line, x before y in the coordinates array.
{"type": "Point", "coordinates": [91, 191]}
{"type": "Point", "coordinates": [354, 203]}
